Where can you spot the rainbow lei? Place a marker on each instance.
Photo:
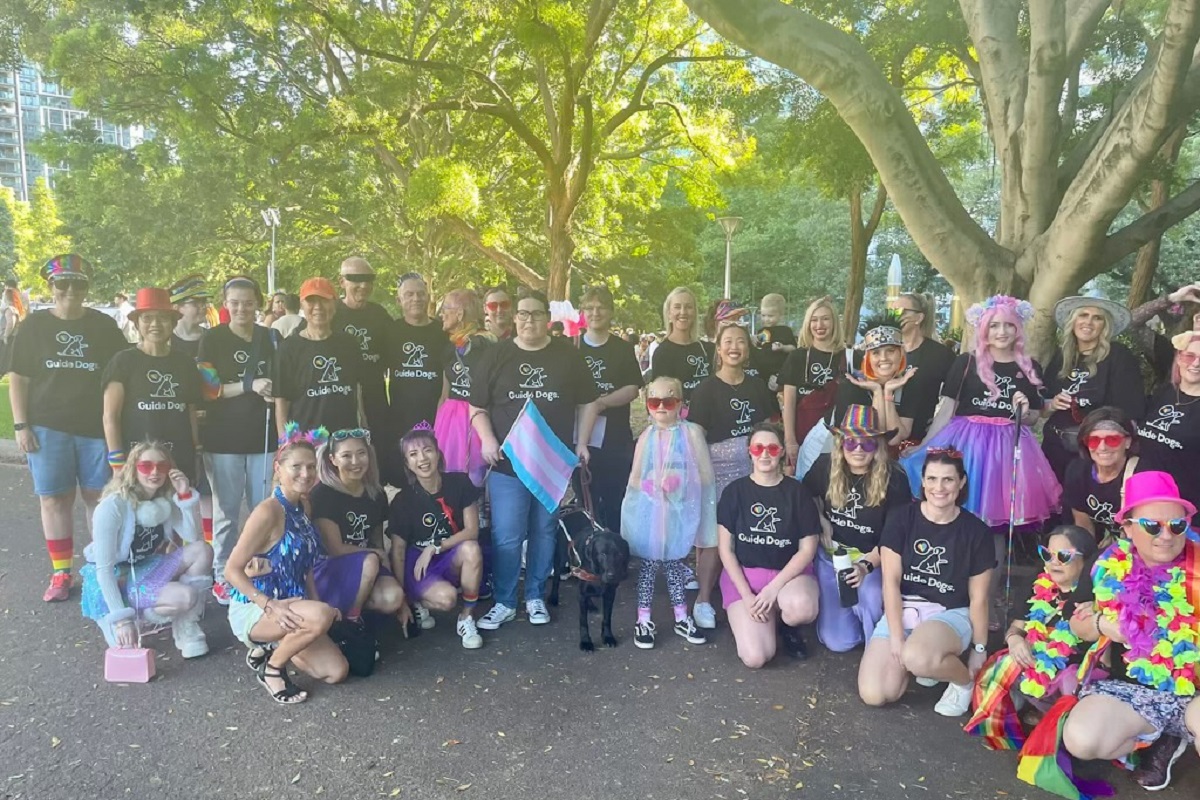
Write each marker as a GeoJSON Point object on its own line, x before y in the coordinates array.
{"type": "Point", "coordinates": [1158, 622]}
{"type": "Point", "coordinates": [1051, 646]}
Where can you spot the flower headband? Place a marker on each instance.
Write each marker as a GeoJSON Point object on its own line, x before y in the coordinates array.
{"type": "Point", "coordinates": [1022, 309]}
{"type": "Point", "coordinates": [293, 435]}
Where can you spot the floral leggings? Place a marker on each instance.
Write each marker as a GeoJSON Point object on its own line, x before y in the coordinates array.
{"type": "Point", "coordinates": [676, 581]}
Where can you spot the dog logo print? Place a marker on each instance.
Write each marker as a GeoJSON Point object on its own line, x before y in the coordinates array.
{"type": "Point", "coordinates": [596, 365]}
{"type": "Point", "coordinates": [1078, 378]}
{"type": "Point", "coordinates": [853, 504]}
{"type": "Point", "coordinates": [1100, 511]}
{"type": "Point", "coordinates": [358, 526]}
{"type": "Point", "coordinates": [742, 409]}
{"type": "Point", "coordinates": [1167, 418]}
{"type": "Point", "coordinates": [699, 365]}
{"type": "Point", "coordinates": [164, 384]}
{"type": "Point", "coordinates": [1006, 386]}
{"type": "Point", "coordinates": [932, 561]}
{"type": "Point", "coordinates": [462, 376]}
{"type": "Point", "coordinates": [416, 355]}
{"type": "Point", "coordinates": [535, 377]}
{"type": "Point", "coordinates": [328, 367]}
{"type": "Point", "coordinates": [73, 345]}
{"type": "Point", "coordinates": [766, 519]}
{"type": "Point", "coordinates": [433, 528]}
{"type": "Point", "coordinates": [364, 339]}
{"type": "Point", "coordinates": [821, 374]}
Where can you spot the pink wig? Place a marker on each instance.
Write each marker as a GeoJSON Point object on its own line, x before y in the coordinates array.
{"type": "Point", "coordinates": [1004, 309]}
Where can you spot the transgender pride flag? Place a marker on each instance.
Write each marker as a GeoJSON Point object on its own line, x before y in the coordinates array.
{"type": "Point", "coordinates": [539, 458]}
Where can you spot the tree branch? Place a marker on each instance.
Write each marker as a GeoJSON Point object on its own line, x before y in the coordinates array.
{"type": "Point", "coordinates": [881, 198]}
{"type": "Point", "coordinates": [1150, 226]}
{"type": "Point", "coordinates": [1039, 119]}
{"type": "Point", "coordinates": [515, 267]}
{"type": "Point", "coordinates": [635, 100]}
{"type": "Point", "coordinates": [1082, 18]}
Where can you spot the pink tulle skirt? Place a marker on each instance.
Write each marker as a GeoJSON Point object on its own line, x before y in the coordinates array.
{"type": "Point", "coordinates": [458, 441]}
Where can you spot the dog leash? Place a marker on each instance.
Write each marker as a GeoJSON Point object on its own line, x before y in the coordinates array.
{"type": "Point", "coordinates": [575, 561]}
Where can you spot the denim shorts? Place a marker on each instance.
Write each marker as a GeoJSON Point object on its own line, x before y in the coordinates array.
{"type": "Point", "coordinates": [959, 620]}
{"type": "Point", "coordinates": [64, 461]}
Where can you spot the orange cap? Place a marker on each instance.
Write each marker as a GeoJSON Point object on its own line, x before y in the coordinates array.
{"type": "Point", "coordinates": [318, 287]}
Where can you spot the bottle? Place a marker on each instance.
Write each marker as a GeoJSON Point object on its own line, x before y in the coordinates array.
{"type": "Point", "coordinates": [844, 567]}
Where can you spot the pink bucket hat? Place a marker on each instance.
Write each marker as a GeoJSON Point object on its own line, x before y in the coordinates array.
{"type": "Point", "coordinates": [1151, 487]}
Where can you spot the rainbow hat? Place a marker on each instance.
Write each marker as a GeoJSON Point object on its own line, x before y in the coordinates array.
{"type": "Point", "coordinates": [190, 288]}
{"type": "Point", "coordinates": [69, 266]}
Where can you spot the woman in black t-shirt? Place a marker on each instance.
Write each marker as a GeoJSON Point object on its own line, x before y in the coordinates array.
{"type": "Point", "coordinates": [462, 322]}
{"type": "Point", "coordinates": [682, 355]}
{"type": "Point", "coordinates": [1090, 370]}
{"type": "Point", "coordinates": [1170, 436]}
{"type": "Point", "coordinates": [349, 508]}
{"type": "Point", "coordinates": [769, 531]}
{"type": "Point", "coordinates": [937, 564]}
{"type": "Point", "coordinates": [150, 391]}
{"type": "Point", "coordinates": [856, 487]}
{"type": "Point", "coordinates": [727, 406]}
{"type": "Point", "coordinates": [1095, 480]}
{"type": "Point", "coordinates": [434, 526]}
{"type": "Point", "coordinates": [810, 373]}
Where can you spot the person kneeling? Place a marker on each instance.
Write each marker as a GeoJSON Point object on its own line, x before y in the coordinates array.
{"type": "Point", "coordinates": [270, 612]}
{"type": "Point", "coordinates": [937, 562]}
{"type": "Point", "coordinates": [136, 566]}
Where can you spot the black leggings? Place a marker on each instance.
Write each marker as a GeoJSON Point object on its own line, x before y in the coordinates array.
{"type": "Point", "coordinates": [676, 581]}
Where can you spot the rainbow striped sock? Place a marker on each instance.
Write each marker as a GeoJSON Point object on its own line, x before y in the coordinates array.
{"type": "Point", "coordinates": [62, 553]}
{"type": "Point", "coordinates": [206, 525]}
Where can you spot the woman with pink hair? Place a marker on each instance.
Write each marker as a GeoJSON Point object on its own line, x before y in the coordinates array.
{"type": "Point", "coordinates": [1170, 436]}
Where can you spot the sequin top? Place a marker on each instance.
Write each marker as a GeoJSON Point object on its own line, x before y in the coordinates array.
{"type": "Point", "coordinates": [291, 557]}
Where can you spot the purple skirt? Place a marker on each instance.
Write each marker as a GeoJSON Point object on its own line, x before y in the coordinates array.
{"type": "Point", "coordinates": [155, 572]}
{"type": "Point", "coordinates": [441, 568]}
{"type": "Point", "coordinates": [338, 579]}
{"type": "Point", "coordinates": [458, 441]}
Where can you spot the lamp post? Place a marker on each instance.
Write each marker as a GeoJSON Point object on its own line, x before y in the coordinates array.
{"type": "Point", "coordinates": [270, 218]}
{"type": "Point", "coordinates": [730, 225]}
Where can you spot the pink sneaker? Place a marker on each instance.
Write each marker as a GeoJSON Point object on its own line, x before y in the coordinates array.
{"type": "Point", "coordinates": [59, 588]}
{"type": "Point", "coordinates": [220, 591]}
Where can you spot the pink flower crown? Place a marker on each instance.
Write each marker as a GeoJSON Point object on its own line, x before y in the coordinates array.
{"type": "Point", "coordinates": [1023, 309]}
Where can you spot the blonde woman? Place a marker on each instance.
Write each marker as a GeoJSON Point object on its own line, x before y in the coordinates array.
{"type": "Point", "coordinates": [681, 354]}
{"type": "Point", "coordinates": [809, 375]}
{"type": "Point", "coordinates": [1090, 370]}
{"type": "Point", "coordinates": [463, 323]}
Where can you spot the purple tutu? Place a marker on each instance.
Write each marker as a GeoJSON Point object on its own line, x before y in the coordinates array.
{"type": "Point", "coordinates": [338, 579]}
{"type": "Point", "coordinates": [441, 568]}
{"type": "Point", "coordinates": [458, 441]}
{"type": "Point", "coordinates": [987, 447]}
{"type": "Point", "coordinates": [155, 572]}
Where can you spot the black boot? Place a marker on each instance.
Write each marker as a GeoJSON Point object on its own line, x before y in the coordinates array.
{"type": "Point", "coordinates": [792, 641]}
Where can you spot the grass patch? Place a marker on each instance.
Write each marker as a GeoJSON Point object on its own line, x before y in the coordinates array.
{"type": "Point", "coordinates": [6, 420]}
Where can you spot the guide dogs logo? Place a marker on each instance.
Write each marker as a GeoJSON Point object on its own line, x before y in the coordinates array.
{"type": "Point", "coordinates": [358, 526]}
{"type": "Point", "coordinates": [596, 365]}
{"type": "Point", "coordinates": [1168, 418]}
{"type": "Point", "coordinates": [932, 561]}
{"type": "Point", "coordinates": [535, 377]}
{"type": "Point", "coordinates": [164, 384]}
{"type": "Point", "coordinates": [1101, 512]}
{"type": "Point", "coordinates": [364, 338]}
{"type": "Point", "coordinates": [821, 374]}
{"type": "Point", "coordinates": [433, 526]}
{"type": "Point", "coordinates": [699, 365]}
{"type": "Point", "coordinates": [1006, 385]}
{"type": "Point", "coordinates": [853, 504]}
{"type": "Point", "coordinates": [328, 366]}
{"type": "Point", "coordinates": [742, 408]}
{"type": "Point", "coordinates": [73, 344]}
{"type": "Point", "coordinates": [416, 355]}
{"type": "Point", "coordinates": [462, 376]}
{"type": "Point", "coordinates": [1078, 378]}
{"type": "Point", "coordinates": [766, 518]}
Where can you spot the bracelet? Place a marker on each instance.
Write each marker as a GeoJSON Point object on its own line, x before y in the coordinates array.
{"type": "Point", "coordinates": [116, 458]}
{"type": "Point", "coordinates": [186, 495]}
{"type": "Point", "coordinates": [1099, 633]}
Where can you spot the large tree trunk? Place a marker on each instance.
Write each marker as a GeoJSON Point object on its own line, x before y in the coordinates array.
{"type": "Point", "coordinates": [861, 233]}
{"type": "Point", "coordinates": [1146, 264]}
{"type": "Point", "coordinates": [558, 275]}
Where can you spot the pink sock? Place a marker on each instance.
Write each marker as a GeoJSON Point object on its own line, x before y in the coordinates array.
{"type": "Point", "coordinates": [643, 615]}
{"type": "Point", "coordinates": [681, 612]}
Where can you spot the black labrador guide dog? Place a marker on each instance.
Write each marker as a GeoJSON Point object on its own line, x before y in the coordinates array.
{"type": "Point", "coordinates": [599, 559]}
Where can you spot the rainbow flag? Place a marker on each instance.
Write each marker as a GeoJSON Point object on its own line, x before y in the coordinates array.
{"type": "Point", "coordinates": [539, 458]}
{"type": "Point", "coordinates": [210, 381]}
{"type": "Point", "coordinates": [1046, 764]}
{"type": "Point", "coordinates": [995, 718]}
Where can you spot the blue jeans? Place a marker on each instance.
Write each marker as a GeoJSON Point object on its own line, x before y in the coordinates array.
{"type": "Point", "coordinates": [234, 478]}
{"type": "Point", "coordinates": [517, 516]}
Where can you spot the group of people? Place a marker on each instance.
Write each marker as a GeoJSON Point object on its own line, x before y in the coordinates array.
{"type": "Point", "coordinates": [810, 521]}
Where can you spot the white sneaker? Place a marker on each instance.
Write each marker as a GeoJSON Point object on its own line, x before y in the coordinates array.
{"type": "Point", "coordinates": [928, 683]}
{"type": "Point", "coordinates": [692, 584]}
{"type": "Point", "coordinates": [189, 636]}
{"type": "Point", "coordinates": [424, 619]}
{"type": "Point", "coordinates": [471, 640]}
{"type": "Point", "coordinates": [500, 614]}
{"type": "Point", "coordinates": [536, 610]}
{"type": "Point", "coordinates": [704, 615]}
{"type": "Point", "coordinates": [956, 700]}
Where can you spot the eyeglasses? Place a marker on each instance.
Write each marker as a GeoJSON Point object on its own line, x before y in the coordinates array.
{"type": "Point", "coordinates": [1154, 527]}
{"type": "Point", "coordinates": [71, 284]}
{"type": "Point", "coordinates": [1110, 440]}
{"type": "Point", "coordinates": [666, 403]}
{"type": "Point", "coordinates": [773, 450]}
{"type": "Point", "coordinates": [1187, 358]}
{"type": "Point", "coordinates": [1061, 556]}
{"type": "Point", "coordinates": [948, 452]}
{"type": "Point", "coordinates": [148, 467]}
{"type": "Point", "coordinates": [866, 445]}
{"type": "Point", "coordinates": [498, 305]}
{"type": "Point", "coordinates": [525, 316]}
{"type": "Point", "coordinates": [351, 433]}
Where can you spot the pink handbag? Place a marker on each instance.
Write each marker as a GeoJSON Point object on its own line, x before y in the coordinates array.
{"type": "Point", "coordinates": [917, 611]}
{"type": "Point", "coordinates": [130, 664]}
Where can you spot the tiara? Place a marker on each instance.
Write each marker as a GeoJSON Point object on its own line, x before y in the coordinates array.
{"type": "Point", "coordinates": [293, 435]}
{"type": "Point", "coordinates": [1023, 309]}
{"type": "Point", "coordinates": [423, 426]}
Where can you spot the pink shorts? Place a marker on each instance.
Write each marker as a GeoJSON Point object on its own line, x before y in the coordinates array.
{"type": "Point", "coordinates": [757, 577]}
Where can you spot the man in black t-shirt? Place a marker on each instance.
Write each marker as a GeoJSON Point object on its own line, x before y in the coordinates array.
{"type": "Point", "coordinates": [370, 325]}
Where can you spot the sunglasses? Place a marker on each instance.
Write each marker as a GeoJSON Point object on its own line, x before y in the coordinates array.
{"type": "Point", "coordinates": [666, 403]}
{"type": "Point", "coordinates": [1187, 359]}
{"type": "Point", "coordinates": [866, 445]}
{"type": "Point", "coordinates": [498, 305]}
{"type": "Point", "coordinates": [1154, 527]}
{"type": "Point", "coordinates": [948, 452]}
{"type": "Point", "coordinates": [360, 278]}
{"type": "Point", "coordinates": [351, 433]}
{"type": "Point", "coordinates": [149, 467]}
{"type": "Point", "coordinates": [69, 284]}
{"type": "Point", "coordinates": [1061, 556]}
{"type": "Point", "coordinates": [1110, 440]}
{"type": "Point", "coordinates": [773, 450]}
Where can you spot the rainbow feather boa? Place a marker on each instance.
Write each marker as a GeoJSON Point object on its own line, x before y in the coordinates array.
{"type": "Point", "coordinates": [1051, 646]}
{"type": "Point", "coordinates": [1156, 614]}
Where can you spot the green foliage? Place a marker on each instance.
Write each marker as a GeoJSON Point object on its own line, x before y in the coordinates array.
{"type": "Point", "coordinates": [8, 233]}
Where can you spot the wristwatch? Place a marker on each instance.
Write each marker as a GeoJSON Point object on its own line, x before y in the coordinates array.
{"type": "Point", "coordinates": [20, 426]}
{"type": "Point", "coordinates": [437, 549]}
{"type": "Point", "coordinates": [979, 648]}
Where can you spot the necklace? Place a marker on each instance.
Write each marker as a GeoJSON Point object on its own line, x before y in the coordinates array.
{"type": "Point", "coordinates": [1051, 646]}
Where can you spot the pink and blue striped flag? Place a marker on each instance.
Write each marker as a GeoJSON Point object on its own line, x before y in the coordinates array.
{"type": "Point", "coordinates": [539, 458]}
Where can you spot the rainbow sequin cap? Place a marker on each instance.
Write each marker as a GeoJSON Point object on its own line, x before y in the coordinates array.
{"type": "Point", "coordinates": [190, 288]}
{"type": "Point", "coordinates": [69, 266]}
{"type": "Point", "coordinates": [1021, 309]}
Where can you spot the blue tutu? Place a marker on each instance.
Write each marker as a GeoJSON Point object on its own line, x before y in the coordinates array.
{"type": "Point", "coordinates": [987, 447]}
{"type": "Point", "coordinates": [153, 572]}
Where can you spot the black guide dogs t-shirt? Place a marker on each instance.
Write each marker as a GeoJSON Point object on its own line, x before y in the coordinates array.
{"type": "Point", "coordinates": [727, 411]}
{"type": "Point", "coordinates": [767, 522]}
{"type": "Point", "coordinates": [856, 524]}
{"type": "Point", "coordinates": [424, 520]}
{"type": "Point", "coordinates": [938, 561]}
{"type": "Point", "coordinates": [974, 398]}
{"type": "Point", "coordinates": [359, 519]}
{"type": "Point", "coordinates": [320, 379]}
{"type": "Point", "coordinates": [244, 424]}
{"type": "Point", "coordinates": [613, 366]}
{"type": "Point", "coordinates": [690, 363]}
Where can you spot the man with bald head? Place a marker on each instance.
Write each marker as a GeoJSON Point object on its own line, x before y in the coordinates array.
{"type": "Point", "coordinates": [369, 325]}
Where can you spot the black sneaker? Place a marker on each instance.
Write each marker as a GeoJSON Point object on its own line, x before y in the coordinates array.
{"type": "Point", "coordinates": [643, 635]}
{"type": "Point", "coordinates": [1154, 771]}
{"type": "Point", "coordinates": [793, 642]}
{"type": "Point", "coordinates": [686, 628]}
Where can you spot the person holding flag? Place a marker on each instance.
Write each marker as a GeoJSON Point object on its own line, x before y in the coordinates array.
{"type": "Point", "coordinates": [525, 393]}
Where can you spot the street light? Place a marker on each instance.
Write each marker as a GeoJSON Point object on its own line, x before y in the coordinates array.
{"type": "Point", "coordinates": [730, 225]}
{"type": "Point", "coordinates": [270, 218]}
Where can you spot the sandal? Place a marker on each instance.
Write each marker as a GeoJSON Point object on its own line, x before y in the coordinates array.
{"type": "Point", "coordinates": [290, 694]}
{"type": "Point", "coordinates": [256, 661]}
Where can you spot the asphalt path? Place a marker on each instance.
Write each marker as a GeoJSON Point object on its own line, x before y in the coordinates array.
{"type": "Point", "coordinates": [527, 716]}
